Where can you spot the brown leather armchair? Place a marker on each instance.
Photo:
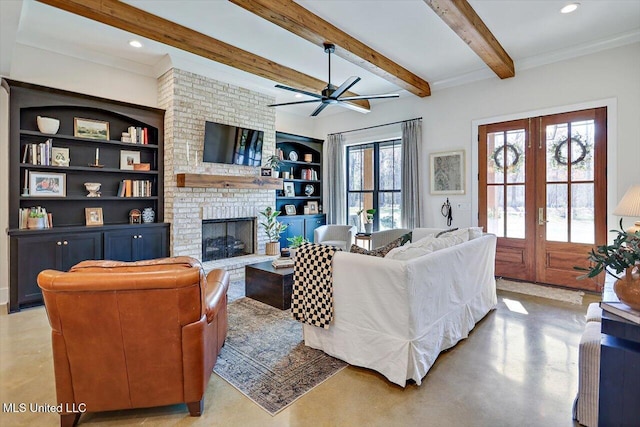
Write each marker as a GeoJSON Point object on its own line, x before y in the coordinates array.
{"type": "Point", "coordinates": [134, 335]}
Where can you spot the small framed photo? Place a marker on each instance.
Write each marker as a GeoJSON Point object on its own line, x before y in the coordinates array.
{"type": "Point", "coordinates": [92, 129]}
{"type": "Point", "coordinates": [290, 209]}
{"type": "Point", "coordinates": [60, 156]}
{"type": "Point", "coordinates": [128, 159]}
{"type": "Point", "coordinates": [289, 189]}
{"type": "Point", "coordinates": [265, 171]}
{"type": "Point", "coordinates": [313, 208]}
{"type": "Point", "coordinates": [93, 216]}
{"type": "Point", "coordinates": [47, 184]}
{"type": "Point", "coordinates": [447, 172]}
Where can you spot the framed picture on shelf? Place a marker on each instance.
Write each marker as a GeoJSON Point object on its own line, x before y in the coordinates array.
{"type": "Point", "coordinates": [60, 156]}
{"type": "Point", "coordinates": [289, 189]}
{"type": "Point", "coordinates": [290, 209]}
{"type": "Point", "coordinates": [92, 129]}
{"type": "Point", "coordinates": [93, 216]}
{"type": "Point", "coordinates": [47, 184]}
{"type": "Point", "coordinates": [313, 208]}
{"type": "Point", "coordinates": [447, 172]}
{"type": "Point", "coordinates": [265, 171]}
{"type": "Point", "coordinates": [128, 159]}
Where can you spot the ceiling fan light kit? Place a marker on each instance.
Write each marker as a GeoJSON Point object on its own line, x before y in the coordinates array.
{"type": "Point", "coordinates": [331, 94]}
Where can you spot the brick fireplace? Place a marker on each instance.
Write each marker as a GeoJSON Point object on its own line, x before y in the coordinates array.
{"type": "Point", "coordinates": [190, 100]}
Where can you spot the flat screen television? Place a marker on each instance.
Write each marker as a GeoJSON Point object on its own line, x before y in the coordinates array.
{"type": "Point", "coordinates": [232, 145]}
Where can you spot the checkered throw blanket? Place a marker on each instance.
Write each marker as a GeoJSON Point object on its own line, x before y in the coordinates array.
{"type": "Point", "coordinates": [312, 293]}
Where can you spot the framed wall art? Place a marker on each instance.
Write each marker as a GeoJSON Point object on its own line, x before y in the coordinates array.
{"type": "Point", "coordinates": [92, 129]}
{"type": "Point", "coordinates": [313, 208]}
{"type": "Point", "coordinates": [289, 189]}
{"type": "Point", "coordinates": [290, 209]}
{"type": "Point", "coordinates": [447, 172]}
{"type": "Point", "coordinates": [128, 159]}
{"type": "Point", "coordinates": [47, 184]}
{"type": "Point", "coordinates": [93, 216]}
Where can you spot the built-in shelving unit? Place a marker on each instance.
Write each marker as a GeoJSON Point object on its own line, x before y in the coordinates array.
{"type": "Point", "coordinates": [301, 169]}
{"type": "Point", "coordinates": [70, 239]}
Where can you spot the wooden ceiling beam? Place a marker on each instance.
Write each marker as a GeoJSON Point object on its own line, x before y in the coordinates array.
{"type": "Point", "coordinates": [298, 20]}
{"type": "Point", "coordinates": [460, 16]}
{"type": "Point", "coordinates": [128, 18]}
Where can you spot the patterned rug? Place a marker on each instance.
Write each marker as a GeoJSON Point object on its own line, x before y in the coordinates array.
{"type": "Point", "coordinates": [265, 358]}
{"type": "Point", "coordinates": [566, 295]}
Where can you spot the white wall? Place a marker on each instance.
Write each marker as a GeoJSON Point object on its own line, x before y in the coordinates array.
{"type": "Point", "coordinates": [449, 116]}
{"type": "Point", "coordinates": [46, 68]}
{"type": "Point", "coordinates": [4, 196]}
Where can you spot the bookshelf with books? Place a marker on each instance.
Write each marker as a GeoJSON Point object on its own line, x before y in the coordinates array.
{"type": "Point", "coordinates": [56, 172]}
{"type": "Point", "coordinates": [300, 202]}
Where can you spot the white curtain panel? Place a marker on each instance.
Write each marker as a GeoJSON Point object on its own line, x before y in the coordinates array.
{"type": "Point", "coordinates": [411, 199]}
{"type": "Point", "coordinates": [336, 202]}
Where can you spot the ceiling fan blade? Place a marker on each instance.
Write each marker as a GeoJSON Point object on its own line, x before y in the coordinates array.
{"type": "Point", "coordinates": [345, 86]}
{"type": "Point", "coordinates": [354, 98]}
{"type": "Point", "coordinates": [319, 109]}
{"type": "Point", "coordinates": [304, 92]}
{"type": "Point", "coordinates": [295, 102]}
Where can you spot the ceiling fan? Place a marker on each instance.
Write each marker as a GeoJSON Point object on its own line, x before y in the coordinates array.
{"type": "Point", "coordinates": [331, 94]}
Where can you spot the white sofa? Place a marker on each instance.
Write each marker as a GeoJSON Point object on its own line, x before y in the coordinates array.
{"type": "Point", "coordinates": [395, 317]}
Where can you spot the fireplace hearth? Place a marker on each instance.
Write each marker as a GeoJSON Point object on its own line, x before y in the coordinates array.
{"type": "Point", "coordinates": [228, 238]}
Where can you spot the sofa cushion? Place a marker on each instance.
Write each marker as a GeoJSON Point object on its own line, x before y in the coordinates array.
{"type": "Point", "coordinates": [443, 232]}
{"type": "Point", "coordinates": [425, 246]}
{"type": "Point", "coordinates": [475, 232]}
{"type": "Point", "coordinates": [382, 250]}
{"type": "Point", "coordinates": [471, 232]}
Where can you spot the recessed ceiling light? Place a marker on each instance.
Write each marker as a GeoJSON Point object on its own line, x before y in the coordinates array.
{"type": "Point", "coordinates": [569, 8]}
{"type": "Point", "coordinates": [298, 95]}
{"type": "Point", "coordinates": [135, 43]}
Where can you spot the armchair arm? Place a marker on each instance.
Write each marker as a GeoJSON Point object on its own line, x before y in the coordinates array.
{"type": "Point", "coordinates": [215, 292]}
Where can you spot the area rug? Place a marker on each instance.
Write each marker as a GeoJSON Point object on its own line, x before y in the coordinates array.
{"type": "Point", "coordinates": [265, 358]}
{"type": "Point", "coordinates": [566, 295]}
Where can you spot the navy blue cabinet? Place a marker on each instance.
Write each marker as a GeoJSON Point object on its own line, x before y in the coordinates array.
{"type": "Point", "coordinates": [136, 244]}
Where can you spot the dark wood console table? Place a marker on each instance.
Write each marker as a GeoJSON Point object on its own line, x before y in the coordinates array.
{"type": "Point", "coordinates": [619, 399]}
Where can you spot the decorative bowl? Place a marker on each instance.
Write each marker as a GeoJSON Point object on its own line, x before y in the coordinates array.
{"type": "Point", "coordinates": [93, 188]}
{"type": "Point", "coordinates": [48, 125]}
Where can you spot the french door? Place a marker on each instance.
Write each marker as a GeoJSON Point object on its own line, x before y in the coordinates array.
{"type": "Point", "coordinates": [542, 191]}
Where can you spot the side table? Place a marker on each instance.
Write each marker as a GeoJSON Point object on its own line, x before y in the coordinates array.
{"type": "Point", "coordinates": [365, 238]}
{"type": "Point", "coordinates": [619, 369]}
{"type": "Point", "coordinates": [269, 285]}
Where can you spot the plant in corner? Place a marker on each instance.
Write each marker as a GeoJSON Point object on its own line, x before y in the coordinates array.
{"type": "Point", "coordinates": [367, 219]}
{"type": "Point", "coordinates": [622, 255]}
{"type": "Point", "coordinates": [274, 163]}
{"type": "Point", "coordinates": [272, 228]}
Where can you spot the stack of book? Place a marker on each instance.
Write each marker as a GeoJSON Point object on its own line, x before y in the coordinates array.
{"type": "Point", "coordinates": [38, 154]}
{"type": "Point", "coordinates": [283, 263]}
{"type": "Point", "coordinates": [134, 188]}
{"type": "Point", "coordinates": [622, 310]}
{"type": "Point", "coordinates": [136, 135]}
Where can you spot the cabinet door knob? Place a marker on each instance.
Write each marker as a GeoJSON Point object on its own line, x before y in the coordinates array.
{"type": "Point", "coordinates": [135, 237]}
{"type": "Point", "coordinates": [65, 243]}
{"type": "Point", "coordinates": [59, 243]}
{"type": "Point", "coordinates": [139, 236]}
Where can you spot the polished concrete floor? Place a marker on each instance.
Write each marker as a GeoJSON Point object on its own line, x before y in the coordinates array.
{"type": "Point", "coordinates": [518, 368]}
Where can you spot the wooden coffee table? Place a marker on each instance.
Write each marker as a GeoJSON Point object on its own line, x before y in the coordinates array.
{"type": "Point", "coordinates": [269, 285]}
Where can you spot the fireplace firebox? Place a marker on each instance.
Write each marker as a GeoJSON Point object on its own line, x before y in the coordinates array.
{"type": "Point", "coordinates": [228, 238]}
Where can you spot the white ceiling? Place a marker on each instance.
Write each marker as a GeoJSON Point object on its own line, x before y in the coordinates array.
{"type": "Point", "coordinates": [407, 31]}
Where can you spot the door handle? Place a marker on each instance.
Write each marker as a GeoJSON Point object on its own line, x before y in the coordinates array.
{"type": "Point", "coordinates": [541, 220]}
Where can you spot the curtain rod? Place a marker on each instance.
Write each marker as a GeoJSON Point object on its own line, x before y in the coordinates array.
{"type": "Point", "coordinates": [376, 126]}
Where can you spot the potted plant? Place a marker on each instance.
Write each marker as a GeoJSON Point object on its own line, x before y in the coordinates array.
{"type": "Point", "coordinates": [35, 219]}
{"type": "Point", "coordinates": [294, 243]}
{"type": "Point", "coordinates": [272, 228]}
{"type": "Point", "coordinates": [622, 255]}
{"type": "Point", "coordinates": [274, 163]}
{"type": "Point", "coordinates": [367, 219]}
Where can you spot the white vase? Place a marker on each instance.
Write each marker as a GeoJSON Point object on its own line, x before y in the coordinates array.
{"type": "Point", "coordinates": [368, 227]}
